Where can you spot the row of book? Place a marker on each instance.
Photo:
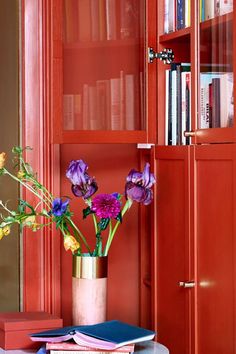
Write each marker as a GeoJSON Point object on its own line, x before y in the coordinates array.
{"type": "Point", "coordinates": [105, 337]}
{"type": "Point", "coordinates": [177, 15]}
{"type": "Point", "coordinates": [99, 20]}
{"type": "Point", "coordinates": [177, 12]}
{"type": "Point", "coordinates": [178, 104]}
{"type": "Point", "coordinates": [216, 100]}
{"type": "Point", "coordinates": [212, 8]}
{"type": "Point", "coordinates": [113, 104]}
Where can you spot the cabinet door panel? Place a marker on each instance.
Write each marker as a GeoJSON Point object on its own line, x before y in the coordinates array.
{"type": "Point", "coordinates": [215, 270]}
{"type": "Point", "coordinates": [172, 249]}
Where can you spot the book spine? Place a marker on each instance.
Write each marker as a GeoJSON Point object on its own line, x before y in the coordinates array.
{"type": "Point", "coordinates": [188, 105]}
{"type": "Point", "coordinates": [75, 347]}
{"type": "Point", "coordinates": [94, 8]}
{"type": "Point", "coordinates": [84, 20]}
{"type": "Point", "coordinates": [216, 102]}
{"type": "Point", "coordinates": [178, 106]}
{"type": "Point", "coordinates": [115, 104]}
{"type": "Point", "coordinates": [225, 6]}
{"type": "Point", "coordinates": [128, 13]}
{"type": "Point", "coordinates": [129, 102]}
{"type": "Point", "coordinates": [209, 9]}
{"type": "Point", "coordinates": [53, 351]}
{"type": "Point", "coordinates": [70, 21]}
{"type": "Point", "coordinates": [184, 104]}
{"type": "Point", "coordinates": [180, 13]}
{"type": "Point", "coordinates": [167, 75]}
{"type": "Point", "coordinates": [102, 20]}
{"type": "Point", "coordinates": [68, 112]}
{"type": "Point", "coordinates": [78, 122]}
{"type": "Point", "coordinates": [111, 19]}
{"type": "Point", "coordinates": [85, 107]}
{"type": "Point", "coordinates": [174, 108]}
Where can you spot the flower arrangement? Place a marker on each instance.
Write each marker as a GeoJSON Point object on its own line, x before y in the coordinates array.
{"type": "Point", "coordinates": [106, 210]}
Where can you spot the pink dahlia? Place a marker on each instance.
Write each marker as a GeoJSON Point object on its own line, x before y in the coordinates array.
{"type": "Point", "coordinates": [106, 206]}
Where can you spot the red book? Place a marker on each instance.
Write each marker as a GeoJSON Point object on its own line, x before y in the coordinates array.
{"type": "Point", "coordinates": [129, 348]}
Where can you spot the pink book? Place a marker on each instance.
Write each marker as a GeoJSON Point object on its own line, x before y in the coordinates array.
{"type": "Point", "coordinates": [129, 348]}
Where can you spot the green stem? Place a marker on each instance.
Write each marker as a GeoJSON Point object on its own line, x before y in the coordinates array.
{"type": "Point", "coordinates": [113, 231]}
{"type": "Point", "coordinates": [27, 187]}
{"type": "Point", "coordinates": [79, 233]}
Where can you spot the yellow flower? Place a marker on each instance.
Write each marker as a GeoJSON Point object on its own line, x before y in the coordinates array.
{"type": "Point", "coordinates": [20, 174]}
{"type": "Point", "coordinates": [70, 243]}
{"type": "Point", "coordinates": [35, 226]}
{"type": "Point", "coordinates": [2, 159]}
{"type": "Point", "coordinates": [6, 230]}
{"type": "Point", "coordinates": [29, 220]}
{"type": "Point", "coordinates": [1, 233]}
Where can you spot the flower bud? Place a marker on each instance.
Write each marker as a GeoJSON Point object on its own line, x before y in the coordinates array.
{"type": "Point", "coordinates": [6, 230]}
{"type": "Point", "coordinates": [2, 159]}
{"type": "Point", "coordinates": [20, 174]}
{"type": "Point", "coordinates": [70, 243]}
{"type": "Point", "coordinates": [29, 220]}
{"type": "Point", "coordinates": [1, 233]}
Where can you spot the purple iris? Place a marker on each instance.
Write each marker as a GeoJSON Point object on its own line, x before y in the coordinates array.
{"type": "Point", "coordinates": [106, 206]}
{"type": "Point", "coordinates": [138, 185]}
{"type": "Point", "coordinates": [59, 207]}
{"type": "Point", "coordinates": [82, 184]}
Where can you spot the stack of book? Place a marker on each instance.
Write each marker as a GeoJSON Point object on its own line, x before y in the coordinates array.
{"type": "Point", "coordinates": [178, 104]}
{"type": "Point", "coordinates": [177, 12]}
{"type": "Point", "coordinates": [112, 104]}
{"type": "Point", "coordinates": [106, 337]}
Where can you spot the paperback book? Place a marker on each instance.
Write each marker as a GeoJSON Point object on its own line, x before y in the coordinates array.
{"type": "Point", "coordinates": [107, 335]}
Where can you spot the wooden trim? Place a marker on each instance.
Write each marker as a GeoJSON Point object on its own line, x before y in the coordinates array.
{"type": "Point", "coordinates": [41, 250]}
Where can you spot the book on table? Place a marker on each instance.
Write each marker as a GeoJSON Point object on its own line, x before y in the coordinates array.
{"type": "Point", "coordinates": [71, 347]}
{"type": "Point", "coordinates": [107, 335]}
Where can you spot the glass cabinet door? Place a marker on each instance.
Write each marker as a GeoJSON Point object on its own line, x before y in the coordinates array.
{"type": "Point", "coordinates": [216, 79]}
{"type": "Point", "coordinates": [103, 65]}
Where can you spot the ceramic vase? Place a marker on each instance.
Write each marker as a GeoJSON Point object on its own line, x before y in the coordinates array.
{"type": "Point", "coordinates": [89, 290]}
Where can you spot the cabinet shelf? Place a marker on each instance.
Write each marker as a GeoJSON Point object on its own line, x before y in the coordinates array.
{"type": "Point", "coordinates": [181, 34]}
{"type": "Point", "coordinates": [96, 137]}
{"type": "Point", "coordinates": [102, 44]}
{"type": "Point", "coordinates": [216, 21]}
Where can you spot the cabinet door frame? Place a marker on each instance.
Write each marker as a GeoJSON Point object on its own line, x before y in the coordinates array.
{"type": "Point", "coordinates": [40, 252]}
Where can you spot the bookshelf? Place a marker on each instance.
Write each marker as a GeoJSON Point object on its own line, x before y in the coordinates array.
{"type": "Point", "coordinates": [104, 72]}
{"type": "Point", "coordinates": [195, 198]}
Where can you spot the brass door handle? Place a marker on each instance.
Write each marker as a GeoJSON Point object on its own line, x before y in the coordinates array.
{"type": "Point", "coordinates": [187, 284]}
{"type": "Point", "coordinates": [189, 134]}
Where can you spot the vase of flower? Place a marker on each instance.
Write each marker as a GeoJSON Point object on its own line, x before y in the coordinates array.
{"type": "Point", "coordinates": [89, 290]}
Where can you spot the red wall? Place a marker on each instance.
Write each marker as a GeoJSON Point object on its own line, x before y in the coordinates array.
{"type": "Point", "coordinates": [110, 165]}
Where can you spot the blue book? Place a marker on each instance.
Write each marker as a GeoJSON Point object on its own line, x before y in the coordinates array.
{"type": "Point", "coordinates": [105, 335]}
{"type": "Point", "coordinates": [180, 20]}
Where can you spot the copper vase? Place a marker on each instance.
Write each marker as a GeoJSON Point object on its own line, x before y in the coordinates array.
{"type": "Point", "coordinates": [89, 290]}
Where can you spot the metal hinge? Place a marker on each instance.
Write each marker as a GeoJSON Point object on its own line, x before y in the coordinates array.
{"type": "Point", "coordinates": [167, 55]}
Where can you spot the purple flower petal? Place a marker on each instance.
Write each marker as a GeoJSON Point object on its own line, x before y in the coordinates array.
{"type": "Point", "coordinates": [59, 207]}
{"type": "Point", "coordinates": [106, 206]}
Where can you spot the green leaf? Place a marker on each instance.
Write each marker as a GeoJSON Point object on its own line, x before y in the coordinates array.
{"type": "Point", "coordinates": [87, 212]}
{"type": "Point", "coordinates": [119, 217]}
{"type": "Point", "coordinates": [24, 204]}
{"type": "Point", "coordinates": [103, 223]}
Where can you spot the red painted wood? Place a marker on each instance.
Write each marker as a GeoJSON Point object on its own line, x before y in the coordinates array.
{"type": "Point", "coordinates": [215, 248]}
{"type": "Point", "coordinates": [172, 304]}
{"type": "Point", "coordinates": [96, 65]}
{"type": "Point", "coordinates": [110, 165]}
{"type": "Point", "coordinates": [41, 251]}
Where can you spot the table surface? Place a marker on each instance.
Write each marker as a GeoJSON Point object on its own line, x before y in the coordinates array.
{"type": "Point", "coordinates": [148, 347]}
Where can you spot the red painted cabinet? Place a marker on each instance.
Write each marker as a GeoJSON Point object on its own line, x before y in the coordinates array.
{"type": "Point", "coordinates": [194, 254]}
{"type": "Point", "coordinates": [195, 248]}
{"type": "Point", "coordinates": [100, 71]}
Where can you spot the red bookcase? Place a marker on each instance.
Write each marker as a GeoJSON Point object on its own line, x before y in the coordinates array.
{"type": "Point", "coordinates": [182, 266]}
